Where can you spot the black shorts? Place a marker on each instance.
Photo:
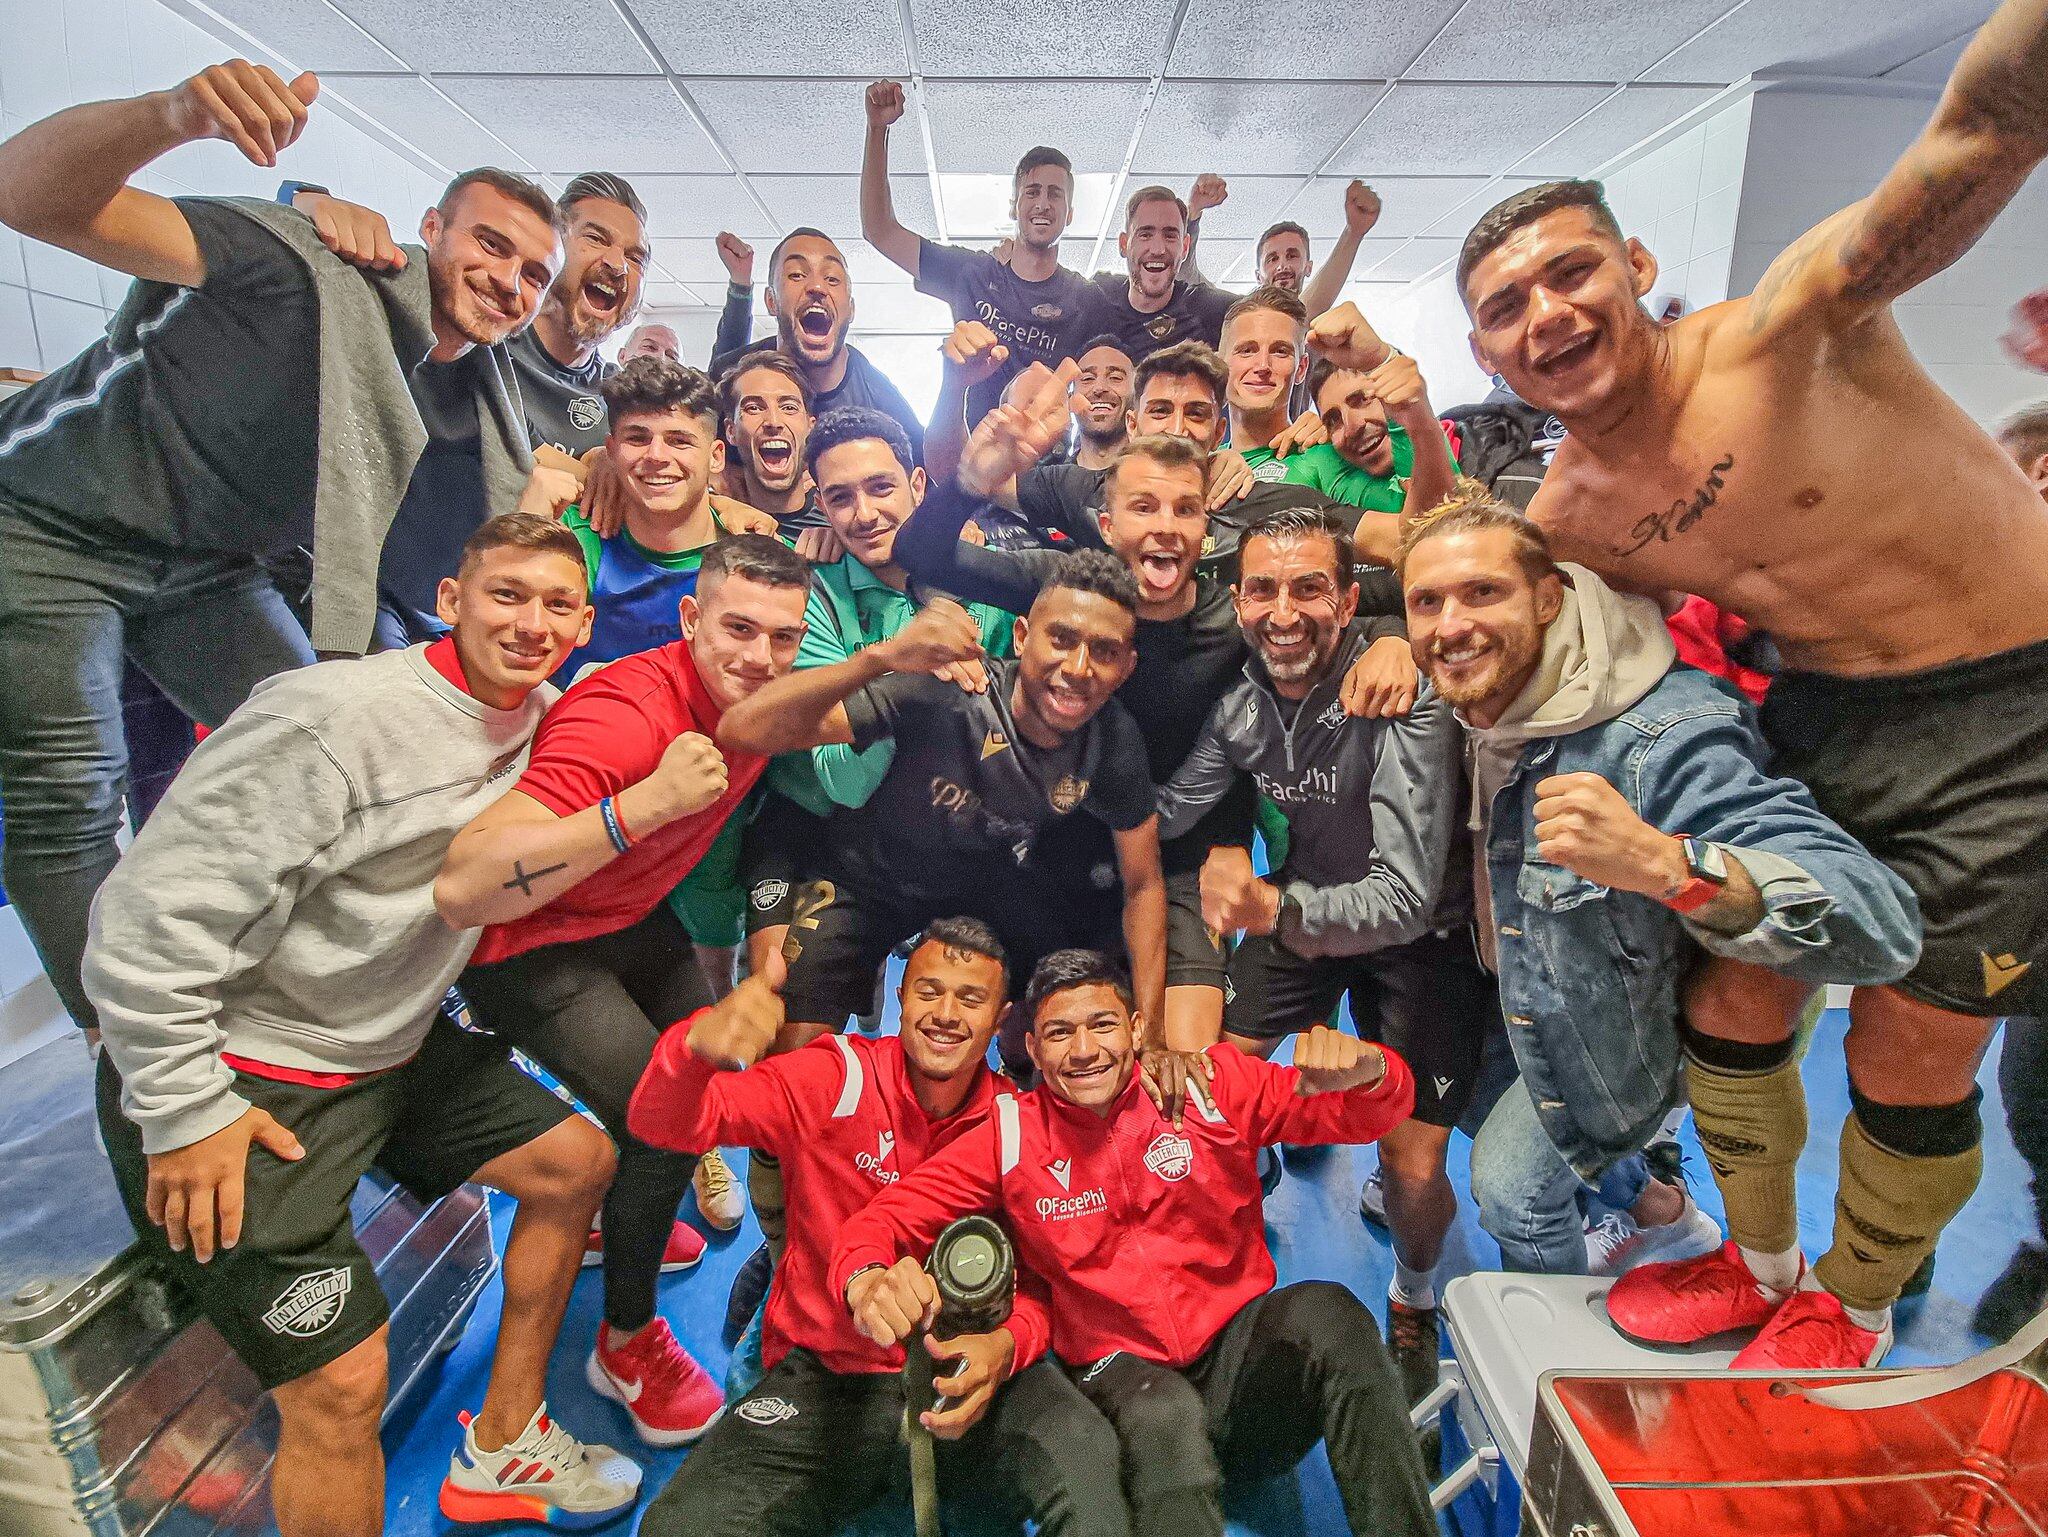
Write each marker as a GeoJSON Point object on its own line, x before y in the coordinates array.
{"type": "Point", "coordinates": [779, 849]}
{"type": "Point", "coordinates": [1430, 1000]}
{"type": "Point", "coordinates": [1195, 953]}
{"type": "Point", "coordinates": [298, 1291]}
{"type": "Point", "coordinates": [1943, 775]}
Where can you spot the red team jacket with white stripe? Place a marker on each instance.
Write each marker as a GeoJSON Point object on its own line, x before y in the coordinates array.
{"type": "Point", "coordinates": [841, 1116]}
{"type": "Point", "coordinates": [1150, 1240]}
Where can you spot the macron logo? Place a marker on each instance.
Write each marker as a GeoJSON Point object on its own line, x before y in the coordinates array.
{"type": "Point", "coordinates": [1062, 1170]}
{"type": "Point", "coordinates": [871, 1163]}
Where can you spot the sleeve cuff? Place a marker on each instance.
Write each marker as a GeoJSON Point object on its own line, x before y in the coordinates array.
{"type": "Point", "coordinates": [1796, 908]}
{"type": "Point", "coordinates": [168, 1133]}
{"type": "Point", "coordinates": [850, 1262]}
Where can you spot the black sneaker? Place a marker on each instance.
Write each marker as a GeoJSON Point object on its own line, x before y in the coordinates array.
{"type": "Point", "coordinates": [1412, 1341]}
{"type": "Point", "coordinates": [2010, 1302]}
{"type": "Point", "coordinates": [749, 1286]}
{"type": "Point", "coordinates": [1666, 1160]}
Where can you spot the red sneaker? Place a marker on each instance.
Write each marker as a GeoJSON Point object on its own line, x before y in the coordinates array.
{"type": "Point", "coordinates": [1689, 1303]}
{"type": "Point", "coordinates": [684, 1248]}
{"type": "Point", "coordinates": [670, 1399]}
{"type": "Point", "coordinates": [1813, 1333]}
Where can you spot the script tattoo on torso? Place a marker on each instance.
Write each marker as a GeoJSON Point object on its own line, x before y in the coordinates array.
{"type": "Point", "coordinates": [1681, 514]}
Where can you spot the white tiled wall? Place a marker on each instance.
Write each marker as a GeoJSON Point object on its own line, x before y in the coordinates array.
{"type": "Point", "coordinates": [57, 53]}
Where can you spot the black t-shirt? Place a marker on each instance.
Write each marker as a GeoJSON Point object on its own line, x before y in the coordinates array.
{"type": "Point", "coordinates": [1194, 313]}
{"type": "Point", "coordinates": [1039, 322]}
{"type": "Point", "coordinates": [1063, 499]}
{"type": "Point", "coordinates": [810, 515]}
{"type": "Point", "coordinates": [867, 385]}
{"type": "Point", "coordinates": [444, 501]}
{"type": "Point", "coordinates": [562, 403]}
{"type": "Point", "coordinates": [967, 798]}
{"type": "Point", "coordinates": [193, 425]}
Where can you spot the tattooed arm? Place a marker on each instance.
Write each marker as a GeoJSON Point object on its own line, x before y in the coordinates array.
{"type": "Point", "coordinates": [1988, 133]}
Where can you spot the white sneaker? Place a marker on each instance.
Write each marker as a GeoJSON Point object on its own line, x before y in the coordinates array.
{"type": "Point", "coordinates": [1618, 1243]}
{"type": "Point", "coordinates": [545, 1475]}
{"type": "Point", "coordinates": [718, 1193]}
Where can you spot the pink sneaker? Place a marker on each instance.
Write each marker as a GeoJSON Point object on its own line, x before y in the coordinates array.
{"type": "Point", "coordinates": [670, 1399]}
{"type": "Point", "coordinates": [684, 1248]}
{"type": "Point", "coordinates": [1812, 1333]}
{"type": "Point", "coordinates": [1691, 1302]}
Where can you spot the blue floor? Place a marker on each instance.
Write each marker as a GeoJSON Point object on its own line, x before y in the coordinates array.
{"type": "Point", "coordinates": [1316, 1233]}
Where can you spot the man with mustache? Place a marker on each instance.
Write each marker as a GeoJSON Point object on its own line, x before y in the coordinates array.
{"type": "Point", "coordinates": [1148, 1232]}
{"type": "Point", "coordinates": [143, 484]}
{"type": "Point", "coordinates": [1370, 902]}
{"type": "Point", "coordinates": [766, 403]}
{"type": "Point", "coordinates": [1038, 310]}
{"type": "Point", "coordinates": [583, 963]}
{"type": "Point", "coordinates": [1627, 815]}
{"type": "Point", "coordinates": [817, 1441]}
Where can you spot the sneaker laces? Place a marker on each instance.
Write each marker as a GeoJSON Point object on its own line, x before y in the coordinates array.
{"type": "Point", "coordinates": [1406, 1326]}
{"type": "Point", "coordinates": [550, 1444]}
{"type": "Point", "coordinates": [1611, 1237]}
{"type": "Point", "coordinates": [711, 1168]}
{"type": "Point", "coordinates": [1812, 1321]}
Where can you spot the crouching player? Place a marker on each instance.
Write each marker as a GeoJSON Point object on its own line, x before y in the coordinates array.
{"type": "Point", "coordinates": [267, 962]}
{"type": "Point", "coordinates": [1150, 1239]}
{"type": "Point", "coordinates": [818, 1440]}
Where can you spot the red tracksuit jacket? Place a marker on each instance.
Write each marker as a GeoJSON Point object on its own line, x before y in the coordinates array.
{"type": "Point", "coordinates": [1147, 1239]}
{"type": "Point", "coordinates": [841, 1116]}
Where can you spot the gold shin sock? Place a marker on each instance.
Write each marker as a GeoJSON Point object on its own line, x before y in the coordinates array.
{"type": "Point", "coordinates": [1753, 1126]}
{"type": "Point", "coordinates": [764, 1189]}
{"type": "Point", "coordinates": [1890, 1210]}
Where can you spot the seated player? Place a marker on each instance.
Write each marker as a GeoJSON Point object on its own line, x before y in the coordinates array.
{"type": "Point", "coordinates": [978, 781]}
{"type": "Point", "coordinates": [1149, 1236]}
{"type": "Point", "coordinates": [766, 402]}
{"type": "Point", "coordinates": [1628, 815]}
{"type": "Point", "coordinates": [1370, 901]}
{"type": "Point", "coordinates": [259, 1058]}
{"type": "Point", "coordinates": [819, 1440]}
{"type": "Point", "coordinates": [584, 963]}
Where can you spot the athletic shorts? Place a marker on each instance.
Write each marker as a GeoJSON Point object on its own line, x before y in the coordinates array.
{"type": "Point", "coordinates": [1430, 1000]}
{"type": "Point", "coordinates": [780, 848]}
{"type": "Point", "coordinates": [1195, 953]}
{"type": "Point", "coordinates": [298, 1291]}
{"type": "Point", "coordinates": [1943, 775]}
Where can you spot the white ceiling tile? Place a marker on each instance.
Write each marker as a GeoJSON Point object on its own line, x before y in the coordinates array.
{"type": "Point", "coordinates": [832, 203]}
{"type": "Point", "coordinates": [1411, 260]}
{"type": "Point", "coordinates": [668, 296]}
{"type": "Point", "coordinates": [807, 37]}
{"type": "Point", "coordinates": [1615, 125]}
{"type": "Point", "coordinates": [897, 308]}
{"type": "Point", "coordinates": [987, 125]}
{"type": "Point", "coordinates": [1562, 39]}
{"type": "Point", "coordinates": [1220, 126]}
{"type": "Point", "coordinates": [310, 33]}
{"type": "Point", "coordinates": [701, 206]}
{"type": "Point", "coordinates": [1254, 203]}
{"type": "Point", "coordinates": [1934, 66]}
{"type": "Point", "coordinates": [538, 37]}
{"type": "Point", "coordinates": [1832, 37]}
{"type": "Point", "coordinates": [420, 115]}
{"type": "Point", "coordinates": [796, 125]}
{"type": "Point", "coordinates": [1228, 262]}
{"type": "Point", "coordinates": [1408, 204]}
{"type": "Point", "coordinates": [1061, 37]}
{"type": "Point", "coordinates": [644, 126]}
{"type": "Point", "coordinates": [1433, 129]}
{"type": "Point", "coordinates": [1456, 221]}
{"type": "Point", "coordinates": [695, 261]}
{"type": "Point", "coordinates": [1375, 42]}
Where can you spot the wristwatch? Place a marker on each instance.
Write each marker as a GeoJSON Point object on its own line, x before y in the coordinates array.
{"type": "Point", "coordinates": [1706, 872]}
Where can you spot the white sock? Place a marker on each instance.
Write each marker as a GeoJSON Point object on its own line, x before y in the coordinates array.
{"type": "Point", "coordinates": [1778, 1272]}
{"type": "Point", "coordinates": [1876, 1320]}
{"type": "Point", "coordinates": [1412, 1288]}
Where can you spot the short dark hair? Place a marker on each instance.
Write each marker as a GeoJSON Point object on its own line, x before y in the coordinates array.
{"type": "Point", "coordinates": [2024, 434]}
{"type": "Point", "coordinates": [802, 231]}
{"type": "Point", "coordinates": [1160, 448]}
{"type": "Point", "coordinates": [1066, 969]}
{"type": "Point", "coordinates": [775, 361]}
{"type": "Point", "coordinates": [851, 424]}
{"type": "Point", "coordinates": [1040, 155]}
{"type": "Point", "coordinates": [1095, 571]}
{"type": "Point", "coordinates": [1285, 524]}
{"type": "Point", "coordinates": [1271, 297]}
{"type": "Point", "coordinates": [1183, 360]}
{"type": "Point", "coordinates": [522, 531]}
{"type": "Point", "coordinates": [1319, 374]}
{"type": "Point", "coordinates": [1526, 207]}
{"type": "Point", "coordinates": [1472, 508]}
{"type": "Point", "coordinates": [1115, 343]}
{"type": "Point", "coordinates": [1154, 194]}
{"type": "Point", "coordinates": [652, 384]}
{"type": "Point", "coordinates": [757, 557]}
{"type": "Point", "coordinates": [1284, 227]}
{"type": "Point", "coordinates": [971, 935]}
{"type": "Point", "coordinates": [528, 194]}
{"type": "Point", "coordinates": [609, 185]}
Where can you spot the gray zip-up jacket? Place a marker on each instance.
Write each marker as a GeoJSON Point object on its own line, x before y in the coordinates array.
{"type": "Point", "coordinates": [1371, 804]}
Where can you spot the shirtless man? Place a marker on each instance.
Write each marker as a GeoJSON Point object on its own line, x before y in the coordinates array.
{"type": "Point", "coordinates": [1749, 453]}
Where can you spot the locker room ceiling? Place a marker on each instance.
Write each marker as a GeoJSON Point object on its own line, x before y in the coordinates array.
{"type": "Point", "coordinates": [732, 114]}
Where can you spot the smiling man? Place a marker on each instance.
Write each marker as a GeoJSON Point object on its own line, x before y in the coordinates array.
{"type": "Point", "coordinates": [766, 402]}
{"type": "Point", "coordinates": [1150, 305]}
{"type": "Point", "coordinates": [1262, 348]}
{"type": "Point", "coordinates": [1148, 1234]}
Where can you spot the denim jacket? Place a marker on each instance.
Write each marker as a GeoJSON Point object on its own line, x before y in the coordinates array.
{"type": "Point", "coordinates": [1589, 977]}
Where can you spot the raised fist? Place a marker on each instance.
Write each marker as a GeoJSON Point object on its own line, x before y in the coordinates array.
{"type": "Point", "coordinates": [738, 257]}
{"type": "Point", "coordinates": [885, 103]}
{"type": "Point", "coordinates": [1331, 1061]}
{"type": "Point", "coordinates": [974, 352]}
{"type": "Point", "coordinates": [938, 635]}
{"type": "Point", "coordinates": [1361, 209]}
{"type": "Point", "coordinates": [1209, 191]}
{"type": "Point", "coordinates": [690, 776]}
{"type": "Point", "coordinates": [1347, 339]}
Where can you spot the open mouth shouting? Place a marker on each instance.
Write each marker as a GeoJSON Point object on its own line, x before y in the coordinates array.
{"type": "Point", "coordinates": [604, 293]}
{"type": "Point", "coordinates": [1562, 359]}
{"type": "Point", "coordinates": [775, 457]}
{"type": "Point", "coordinates": [815, 324]}
{"type": "Point", "coordinates": [1066, 705]}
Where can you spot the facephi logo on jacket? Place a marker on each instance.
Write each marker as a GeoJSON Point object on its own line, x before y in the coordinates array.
{"type": "Point", "coordinates": [766, 1411]}
{"type": "Point", "coordinates": [310, 1304]}
{"type": "Point", "coordinates": [871, 1163]}
{"type": "Point", "coordinates": [1088, 1203]}
{"type": "Point", "coordinates": [1062, 1170]}
{"type": "Point", "coordinates": [1170, 1156]}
